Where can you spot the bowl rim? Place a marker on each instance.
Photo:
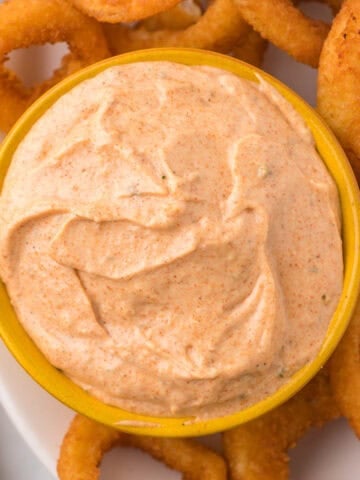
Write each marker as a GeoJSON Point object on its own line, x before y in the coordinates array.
{"type": "Point", "coordinates": [55, 383]}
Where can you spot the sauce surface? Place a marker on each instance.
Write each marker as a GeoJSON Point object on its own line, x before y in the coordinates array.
{"type": "Point", "coordinates": [170, 239]}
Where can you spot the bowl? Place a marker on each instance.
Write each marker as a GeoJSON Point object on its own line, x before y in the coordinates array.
{"type": "Point", "coordinates": [54, 382]}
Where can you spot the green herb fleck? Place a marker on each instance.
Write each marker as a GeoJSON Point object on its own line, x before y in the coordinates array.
{"type": "Point", "coordinates": [163, 177]}
{"type": "Point", "coordinates": [281, 373]}
{"type": "Point", "coordinates": [264, 171]}
{"type": "Point", "coordinates": [314, 269]}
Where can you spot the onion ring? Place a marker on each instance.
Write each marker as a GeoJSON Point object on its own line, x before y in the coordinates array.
{"type": "Point", "coordinates": [219, 28]}
{"type": "Point", "coordinates": [258, 449]}
{"type": "Point", "coordinates": [33, 22]}
{"type": "Point", "coordinates": [345, 372]}
{"type": "Point", "coordinates": [283, 24]}
{"type": "Point", "coordinates": [113, 11]}
{"type": "Point", "coordinates": [86, 442]}
{"type": "Point", "coordinates": [338, 81]}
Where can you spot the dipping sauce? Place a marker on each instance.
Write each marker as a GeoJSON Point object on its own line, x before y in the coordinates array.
{"type": "Point", "coordinates": [170, 239]}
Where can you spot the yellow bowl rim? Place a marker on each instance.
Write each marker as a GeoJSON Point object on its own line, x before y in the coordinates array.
{"type": "Point", "coordinates": [73, 396]}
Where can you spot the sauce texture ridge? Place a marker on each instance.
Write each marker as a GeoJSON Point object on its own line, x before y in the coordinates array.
{"type": "Point", "coordinates": [170, 239]}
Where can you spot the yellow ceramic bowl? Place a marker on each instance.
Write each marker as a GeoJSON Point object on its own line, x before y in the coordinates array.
{"type": "Point", "coordinates": [32, 360]}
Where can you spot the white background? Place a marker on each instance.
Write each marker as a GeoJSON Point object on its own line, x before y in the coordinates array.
{"type": "Point", "coordinates": [332, 454]}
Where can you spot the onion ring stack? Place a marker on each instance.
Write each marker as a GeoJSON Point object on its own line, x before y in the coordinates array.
{"type": "Point", "coordinates": [259, 449]}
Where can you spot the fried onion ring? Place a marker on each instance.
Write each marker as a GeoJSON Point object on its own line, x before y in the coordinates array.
{"type": "Point", "coordinates": [283, 24]}
{"type": "Point", "coordinates": [113, 11]}
{"type": "Point", "coordinates": [258, 449]}
{"type": "Point", "coordinates": [338, 81]}
{"type": "Point", "coordinates": [36, 22]}
{"type": "Point", "coordinates": [345, 372]}
{"type": "Point", "coordinates": [219, 28]}
{"type": "Point", "coordinates": [86, 442]}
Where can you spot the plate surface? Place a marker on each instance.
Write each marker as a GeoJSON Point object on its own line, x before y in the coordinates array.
{"type": "Point", "coordinates": [332, 454]}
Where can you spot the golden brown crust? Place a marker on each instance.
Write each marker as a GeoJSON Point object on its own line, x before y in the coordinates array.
{"type": "Point", "coordinates": [82, 449]}
{"type": "Point", "coordinates": [345, 372]}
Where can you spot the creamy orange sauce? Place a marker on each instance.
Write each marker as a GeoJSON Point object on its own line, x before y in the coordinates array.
{"type": "Point", "coordinates": [170, 239]}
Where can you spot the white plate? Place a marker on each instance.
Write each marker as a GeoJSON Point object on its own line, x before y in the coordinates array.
{"type": "Point", "coordinates": [331, 454]}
